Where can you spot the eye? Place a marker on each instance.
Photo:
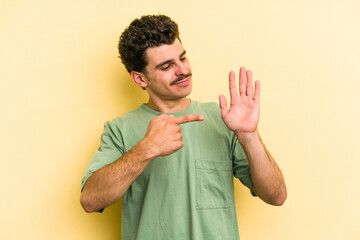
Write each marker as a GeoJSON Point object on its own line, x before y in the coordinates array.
{"type": "Point", "coordinates": [183, 58]}
{"type": "Point", "coordinates": [167, 67]}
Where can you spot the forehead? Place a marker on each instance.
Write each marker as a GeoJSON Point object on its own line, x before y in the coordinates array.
{"type": "Point", "coordinates": [157, 55]}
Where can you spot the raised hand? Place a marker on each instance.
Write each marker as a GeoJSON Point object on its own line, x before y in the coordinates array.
{"type": "Point", "coordinates": [244, 112]}
{"type": "Point", "coordinates": [164, 133]}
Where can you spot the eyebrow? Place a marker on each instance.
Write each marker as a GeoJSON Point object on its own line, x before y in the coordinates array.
{"type": "Point", "coordinates": [169, 61]}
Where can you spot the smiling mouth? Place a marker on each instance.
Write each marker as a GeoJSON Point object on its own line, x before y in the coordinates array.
{"type": "Point", "coordinates": [182, 78]}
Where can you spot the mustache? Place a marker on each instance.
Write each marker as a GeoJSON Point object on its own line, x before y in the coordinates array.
{"type": "Point", "coordinates": [182, 77]}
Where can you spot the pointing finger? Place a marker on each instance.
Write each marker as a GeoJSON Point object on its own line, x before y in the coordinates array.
{"type": "Point", "coordinates": [162, 117]}
{"type": "Point", "coordinates": [188, 118]}
{"type": "Point", "coordinates": [232, 85]}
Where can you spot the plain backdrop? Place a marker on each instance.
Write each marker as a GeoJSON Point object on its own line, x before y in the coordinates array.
{"type": "Point", "coordinates": [61, 79]}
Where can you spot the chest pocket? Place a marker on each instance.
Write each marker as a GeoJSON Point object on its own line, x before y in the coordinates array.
{"type": "Point", "coordinates": [214, 184]}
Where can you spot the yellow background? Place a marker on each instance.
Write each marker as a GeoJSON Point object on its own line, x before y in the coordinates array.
{"type": "Point", "coordinates": [61, 79]}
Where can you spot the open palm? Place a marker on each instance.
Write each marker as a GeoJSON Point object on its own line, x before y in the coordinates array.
{"type": "Point", "coordinates": [244, 112]}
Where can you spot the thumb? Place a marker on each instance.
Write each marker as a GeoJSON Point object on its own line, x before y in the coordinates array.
{"type": "Point", "coordinates": [223, 105]}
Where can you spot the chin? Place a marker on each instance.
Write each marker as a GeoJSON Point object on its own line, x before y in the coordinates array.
{"type": "Point", "coordinates": [188, 91]}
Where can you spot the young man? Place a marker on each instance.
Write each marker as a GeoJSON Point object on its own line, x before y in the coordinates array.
{"type": "Point", "coordinates": [172, 160]}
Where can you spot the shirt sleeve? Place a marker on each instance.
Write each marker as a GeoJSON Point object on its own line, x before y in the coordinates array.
{"type": "Point", "coordinates": [111, 149]}
{"type": "Point", "coordinates": [241, 165]}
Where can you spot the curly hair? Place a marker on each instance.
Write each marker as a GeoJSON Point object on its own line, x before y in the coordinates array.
{"type": "Point", "coordinates": [148, 31]}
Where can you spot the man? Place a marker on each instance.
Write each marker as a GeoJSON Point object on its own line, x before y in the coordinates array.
{"type": "Point", "coordinates": [172, 160]}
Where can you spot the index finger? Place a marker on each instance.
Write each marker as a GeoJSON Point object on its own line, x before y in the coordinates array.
{"type": "Point", "coordinates": [162, 117]}
{"type": "Point", "coordinates": [188, 118]}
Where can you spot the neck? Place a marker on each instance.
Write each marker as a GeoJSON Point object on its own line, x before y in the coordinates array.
{"type": "Point", "coordinates": [169, 106]}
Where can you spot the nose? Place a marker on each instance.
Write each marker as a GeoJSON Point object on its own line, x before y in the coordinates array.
{"type": "Point", "coordinates": [181, 69]}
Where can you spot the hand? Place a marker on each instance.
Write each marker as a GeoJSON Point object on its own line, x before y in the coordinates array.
{"type": "Point", "coordinates": [244, 113]}
{"type": "Point", "coordinates": [164, 133]}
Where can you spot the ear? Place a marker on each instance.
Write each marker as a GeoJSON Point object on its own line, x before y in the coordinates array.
{"type": "Point", "coordinates": [138, 78]}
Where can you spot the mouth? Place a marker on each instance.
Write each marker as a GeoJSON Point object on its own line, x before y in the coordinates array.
{"type": "Point", "coordinates": [182, 81]}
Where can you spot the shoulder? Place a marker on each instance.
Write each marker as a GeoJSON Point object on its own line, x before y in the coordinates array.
{"type": "Point", "coordinates": [130, 117]}
{"type": "Point", "coordinates": [128, 121]}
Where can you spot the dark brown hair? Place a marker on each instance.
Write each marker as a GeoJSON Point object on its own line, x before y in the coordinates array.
{"type": "Point", "coordinates": [147, 31]}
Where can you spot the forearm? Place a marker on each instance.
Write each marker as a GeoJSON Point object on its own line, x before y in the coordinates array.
{"type": "Point", "coordinates": [267, 178]}
{"type": "Point", "coordinates": [107, 185]}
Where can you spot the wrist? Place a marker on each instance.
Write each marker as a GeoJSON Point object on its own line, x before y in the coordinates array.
{"type": "Point", "coordinates": [146, 150]}
{"type": "Point", "coordinates": [247, 137]}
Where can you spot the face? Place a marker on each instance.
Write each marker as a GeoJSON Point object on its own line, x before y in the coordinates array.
{"type": "Point", "coordinates": [168, 73]}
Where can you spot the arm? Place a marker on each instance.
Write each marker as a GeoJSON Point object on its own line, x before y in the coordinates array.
{"type": "Point", "coordinates": [242, 118]}
{"type": "Point", "coordinates": [268, 181]}
{"type": "Point", "coordinates": [108, 184]}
